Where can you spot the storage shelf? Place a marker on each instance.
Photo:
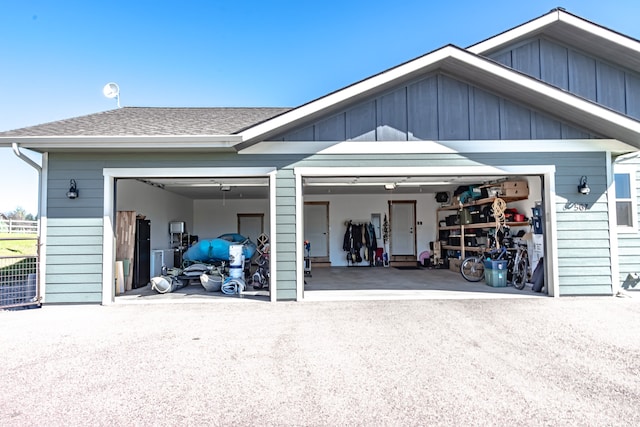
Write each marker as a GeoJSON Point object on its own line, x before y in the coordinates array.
{"type": "Point", "coordinates": [486, 201]}
{"type": "Point", "coordinates": [465, 228]}
{"type": "Point", "coordinates": [466, 248]}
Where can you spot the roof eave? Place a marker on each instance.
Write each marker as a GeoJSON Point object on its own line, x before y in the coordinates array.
{"type": "Point", "coordinates": [125, 143]}
{"type": "Point", "coordinates": [570, 29]}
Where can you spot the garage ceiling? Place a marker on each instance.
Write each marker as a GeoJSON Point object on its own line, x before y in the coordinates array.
{"type": "Point", "coordinates": [258, 187]}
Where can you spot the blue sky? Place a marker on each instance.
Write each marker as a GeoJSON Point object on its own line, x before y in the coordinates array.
{"type": "Point", "coordinates": [55, 57]}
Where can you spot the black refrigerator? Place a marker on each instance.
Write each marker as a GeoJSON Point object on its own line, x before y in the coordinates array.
{"type": "Point", "coordinates": [142, 254]}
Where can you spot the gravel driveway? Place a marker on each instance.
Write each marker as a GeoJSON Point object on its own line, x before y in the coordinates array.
{"type": "Point", "coordinates": [567, 361]}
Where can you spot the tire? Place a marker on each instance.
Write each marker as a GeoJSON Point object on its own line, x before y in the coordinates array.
{"type": "Point", "coordinates": [520, 276]}
{"type": "Point", "coordinates": [472, 269]}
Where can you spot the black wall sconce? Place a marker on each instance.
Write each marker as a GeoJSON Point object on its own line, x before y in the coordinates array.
{"type": "Point", "coordinates": [73, 192]}
{"type": "Point", "coordinates": [583, 188]}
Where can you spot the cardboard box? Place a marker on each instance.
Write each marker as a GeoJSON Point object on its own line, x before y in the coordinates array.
{"type": "Point", "coordinates": [514, 184]}
{"type": "Point", "coordinates": [515, 192]}
{"type": "Point", "coordinates": [454, 264]}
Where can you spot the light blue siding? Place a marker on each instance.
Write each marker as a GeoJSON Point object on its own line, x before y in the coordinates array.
{"type": "Point", "coordinates": [629, 245]}
{"type": "Point", "coordinates": [286, 235]}
{"type": "Point", "coordinates": [74, 260]}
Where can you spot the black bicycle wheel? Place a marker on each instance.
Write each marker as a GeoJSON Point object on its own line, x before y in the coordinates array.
{"type": "Point", "coordinates": [472, 268]}
{"type": "Point", "coordinates": [521, 275]}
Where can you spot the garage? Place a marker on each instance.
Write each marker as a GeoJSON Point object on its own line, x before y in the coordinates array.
{"type": "Point", "coordinates": [385, 146]}
{"type": "Point", "coordinates": [413, 244]}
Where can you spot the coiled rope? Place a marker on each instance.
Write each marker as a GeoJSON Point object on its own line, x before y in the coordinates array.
{"type": "Point", "coordinates": [499, 207]}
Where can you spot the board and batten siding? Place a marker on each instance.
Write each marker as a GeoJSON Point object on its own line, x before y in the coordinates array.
{"type": "Point", "coordinates": [584, 255]}
{"type": "Point", "coordinates": [579, 73]}
{"type": "Point", "coordinates": [436, 107]}
{"type": "Point", "coordinates": [629, 244]}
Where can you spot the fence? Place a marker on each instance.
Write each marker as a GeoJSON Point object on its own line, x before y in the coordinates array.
{"type": "Point", "coordinates": [13, 226]}
{"type": "Point", "coordinates": [19, 265]}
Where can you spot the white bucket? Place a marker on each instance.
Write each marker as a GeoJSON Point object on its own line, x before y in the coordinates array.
{"type": "Point", "coordinates": [236, 261]}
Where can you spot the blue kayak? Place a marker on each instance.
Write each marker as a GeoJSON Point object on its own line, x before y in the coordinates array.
{"type": "Point", "coordinates": [211, 250]}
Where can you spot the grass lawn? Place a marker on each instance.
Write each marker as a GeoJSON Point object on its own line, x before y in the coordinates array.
{"type": "Point", "coordinates": [29, 246]}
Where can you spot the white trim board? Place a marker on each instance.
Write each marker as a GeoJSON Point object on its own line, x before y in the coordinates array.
{"type": "Point", "coordinates": [111, 174]}
{"type": "Point", "coordinates": [438, 147]}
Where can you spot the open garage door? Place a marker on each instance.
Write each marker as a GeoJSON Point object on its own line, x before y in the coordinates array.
{"type": "Point", "coordinates": [162, 223]}
{"type": "Point", "coordinates": [422, 237]}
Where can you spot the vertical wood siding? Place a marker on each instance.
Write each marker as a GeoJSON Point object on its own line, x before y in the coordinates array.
{"type": "Point", "coordinates": [436, 107]}
{"type": "Point", "coordinates": [569, 69]}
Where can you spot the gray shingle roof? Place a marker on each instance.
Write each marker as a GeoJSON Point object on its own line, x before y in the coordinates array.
{"type": "Point", "coordinates": [153, 121]}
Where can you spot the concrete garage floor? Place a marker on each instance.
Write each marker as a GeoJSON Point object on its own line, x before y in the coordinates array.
{"type": "Point", "coordinates": [387, 283]}
{"type": "Point", "coordinates": [351, 283]}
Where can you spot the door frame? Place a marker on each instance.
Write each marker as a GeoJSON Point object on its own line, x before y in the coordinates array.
{"type": "Point", "coordinates": [324, 259]}
{"type": "Point", "coordinates": [250, 215]}
{"type": "Point", "coordinates": [403, 258]}
{"type": "Point", "coordinates": [548, 188]}
{"type": "Point", "coordinates": [109, 207]}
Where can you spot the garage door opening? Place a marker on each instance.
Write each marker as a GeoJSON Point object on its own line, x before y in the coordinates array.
{"type": "Point", "coordinates": [162, 224]}
{"type": "Point", "coordinates": [404, 236]}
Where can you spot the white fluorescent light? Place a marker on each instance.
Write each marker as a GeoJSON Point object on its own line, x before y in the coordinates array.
{"type": "Point", "coordinates": [389, 186]}
{"type": "Point", "coordinates": [343, 184]}
{"type": "Point", "coordinates": [417, 184]}
{"type": "Point", "coordinates": [226, 185]}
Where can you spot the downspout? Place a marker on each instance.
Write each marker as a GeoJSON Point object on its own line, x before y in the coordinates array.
{"type": "Point", "coordinates": [41, 224]}
{"type": "Point", "coordinates": [16, 150]}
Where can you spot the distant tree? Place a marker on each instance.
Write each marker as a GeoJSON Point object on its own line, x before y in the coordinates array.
{"type": "Point", "coordinates": [19, 214]}
{"type": "Point", "coordinates": [30, 217]}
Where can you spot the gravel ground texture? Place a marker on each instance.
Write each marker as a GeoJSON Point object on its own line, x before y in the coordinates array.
{"type": "Point", "coordinates": [555, 362]}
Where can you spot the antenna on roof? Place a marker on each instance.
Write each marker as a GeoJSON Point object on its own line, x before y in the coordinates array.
{"type": "Point", "coordinates": [112, 90]}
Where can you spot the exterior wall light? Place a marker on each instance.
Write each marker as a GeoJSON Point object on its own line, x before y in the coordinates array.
{"type": "Point", "coordinates": [583, 188]}
{"type": "Point", "coordinates": [73, 192]}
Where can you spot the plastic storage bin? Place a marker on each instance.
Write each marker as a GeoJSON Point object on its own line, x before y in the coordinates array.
{"type": "Point", "coordinates": [496, 278]}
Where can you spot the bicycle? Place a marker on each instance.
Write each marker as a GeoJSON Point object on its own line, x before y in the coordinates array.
{"type": "Point", "coordinates": [472, 267]}
{"type": "Point", "coordinates": [519, 268]}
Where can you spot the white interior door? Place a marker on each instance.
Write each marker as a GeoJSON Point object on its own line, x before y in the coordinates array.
{"type": "Point", "coordinates": [402, 227]}
{"type": "Point", "coordinates": [316, 228]}
{"type": "Point", "coordinates": [251, 226]}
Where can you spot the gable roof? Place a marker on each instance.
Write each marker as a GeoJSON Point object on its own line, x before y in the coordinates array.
{"type": "Point", "coordinates": [152, 121]}
{"type": "Point", "coordinates": [571, 30]}
{"type": "Point", "coordinates": [468, 67]}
